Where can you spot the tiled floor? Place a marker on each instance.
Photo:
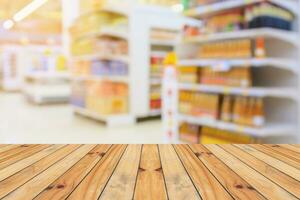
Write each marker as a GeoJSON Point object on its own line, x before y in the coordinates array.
{"type": "Point", "coordinates": [21, 122]}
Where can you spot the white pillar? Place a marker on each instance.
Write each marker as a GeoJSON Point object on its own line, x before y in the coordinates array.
{"type": "Point", "coordinates": [70, 11]}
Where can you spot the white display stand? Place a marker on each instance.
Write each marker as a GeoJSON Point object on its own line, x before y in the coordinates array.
{"type": "Point", "coordinates": [12, 69]}
{"type": "Point", "coordinates": [170, 104]}
{"type": "Point", "coordinates": [279, 72]}
{"type": "Point", "coordinates": [141, 20]}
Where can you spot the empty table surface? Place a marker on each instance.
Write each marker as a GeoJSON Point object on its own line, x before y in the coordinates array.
{"type": "Point", "coordinates": [149, 172]}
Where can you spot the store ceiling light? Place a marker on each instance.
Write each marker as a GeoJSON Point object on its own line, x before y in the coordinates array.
{"type": "Point", "coordinates": [28, 10]}
{"type": "Point", "coordinates": [8, 24]}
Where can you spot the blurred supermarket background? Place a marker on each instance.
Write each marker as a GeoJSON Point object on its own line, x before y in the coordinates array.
{"type": "Point", "coordinates": [149, 71]}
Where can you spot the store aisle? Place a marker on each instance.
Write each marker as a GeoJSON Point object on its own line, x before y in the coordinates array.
{"type": "Point", "coordinates": [21, 122]}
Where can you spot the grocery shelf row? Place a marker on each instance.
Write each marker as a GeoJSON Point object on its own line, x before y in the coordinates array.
{"type": "Point", "coordinates": [283, 35]}
{"type": "Point", "coordinates": [217, 7]}
{"type": "Point", "coordinates": [251, 91]}
{"type": "Point", "coordinates": [140, 19]}
{"type": "Point", "coordinates": [283, 63]}
{"type": "Point", "coordinates": [271, 64]}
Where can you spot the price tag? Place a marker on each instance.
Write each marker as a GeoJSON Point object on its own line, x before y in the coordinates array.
{"type": "Point", "coordinates": [209, 8]}
{"type": "Point", "coordinates": [245, 92]}
{"type": "Point", "coordinates": [240, 129]}
{"type": "Point", "coordinates": [226, 90]}
{"type": "Point", "coordinates": [221, 66]}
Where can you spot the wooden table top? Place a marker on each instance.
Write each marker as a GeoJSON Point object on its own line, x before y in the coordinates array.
{"type": "Point", "coordinates": [150, 172]}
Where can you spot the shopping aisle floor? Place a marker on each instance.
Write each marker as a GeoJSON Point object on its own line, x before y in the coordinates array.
{"type": "Point", "coordinates": [21, 122]}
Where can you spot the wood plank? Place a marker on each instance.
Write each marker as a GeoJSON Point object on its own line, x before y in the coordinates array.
{"type": "Point", "coordinates": [291, 147]}
{"type": "Point", "coordinates": [92, 186]}
{"type": "Point", "coordinates": [207, 185]}
{"type": "Point", "coordinates": [8, 147]}
{"type": "Point", "coordinates": [33, 187]}
{"type": "Point", "coordinates": [266, 187]}
{"type": "Point", "coordinates": [150, 182]}
{"type": "Point", "coordinates": [14, 151]}
{"type": "Point", "coordinates": [281, 151]}
{"type": "Point", "coordinates": [122, 183]}
{"type": "Point", "coordinates": [275, 154]}
{"type": "Point", "coordinates": [13, 182]}
{"type": "Point", "coordinates": [235, 185]}
{"type": "Point", "coordinates": [278, 164]}
{"type": "Point", "coordinates": [63, 186]}
{"type": "Point", "coordinates": [18, 166]}
{"type": "Point", "coordinates": [22, 155]}
{"type": "Point", "coordinates": [285, 181]}
{"type": "Point", "coordinates": [178, 182]}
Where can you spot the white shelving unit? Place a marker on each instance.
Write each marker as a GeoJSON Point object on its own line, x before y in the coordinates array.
{"type": "Point", "coordinates": [281, 93]}
{"type": "Point", "coordinates": [218, 7]}
{"type": "Point", "coordinates": [12, 71]}
{"type": "Point", "coordinates": [159, 48]}
{"type": "Point", "coordinates": [44, 88]}
{"type": "Point", "coordinates": [144, 20]}
{"type": "Point", "coordinates": [141, 20]}
{"type": "Point", "coordinates": [109, 120]}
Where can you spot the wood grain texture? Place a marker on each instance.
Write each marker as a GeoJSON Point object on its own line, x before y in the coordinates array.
{"type": "Point", "coordinates": [121, 184]}
{"type": "Point", "coordinates": [33, 187]}
{"type": "Point", "coordinates": [235, 185]}
{"type": "Point", "coordinates": [14, 151]}
{"type": "Point", "coordinates": [178, 182]}
{"type": "Point", "coordinates": [278, 164]}
{"type": "Point", "coordinates": [63, 186]}
{"type": "Point", "coordinates": [15, 167]}
{"type": "Point", "coordinates": [284, 152]}
{"type": "Point", "coordinates": [22, 155]}
{"type": "Point", "coordinates": [268, 188]}
{"type": "Point", "coordinates": [141, 172]}
{"type": "Point", "coordinates": [150, 182]}
{"type": "Point", "coordinates": [285, 181]}
{"type": "Point", "coordinates": [206, 184]}
{"type": "Point", "coordinates": [291, 147]}
{"type": "Point", "coordinates": [6, 148]}
{"type": "Point", "coordinates": [11, 183]}
{"type": "Point", "coordinates": [92, 186]}
{"type": "Point", "coordinates": [278, 155]}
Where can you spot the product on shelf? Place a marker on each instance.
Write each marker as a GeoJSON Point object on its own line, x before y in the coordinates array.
{"type": "Point", "coordinates": [234, 77]}
{"type": "Point", "coordinates": [260, 50]}
{"type": "Point", "coordinates": [195, 134]}
{"type": "Point", "coordinates": [199, 104]}
{"type": "Point", "coordinates": [91, 5]}
{"type": "Point", "coordinates": [268, 15]}
{"type": "Point", "coordinates": [163, 34]}
{"type": "Point", "coordinates": [155, 97]}
{"type": "Point", "coordinates": [106, 46]}
{"type": "Point", "coordinates": [189, 74]}
{"type": "Point", "coordinates": [156, 66]}
{"type": "Point", "coordinates": [78, 93]}
{"type": "Point", "coordinates": [102, 97]}
{"type": "Point", "coordinates": [227, 49]}
{"type": "Point", "coordinates": [229, 21]}
{"type": "Point", "coordinates": [259, 15]}
{"type": "Point", "coordinates": [100, 67]}
{"type": "Point", "coordinates": [247, 111]}
{"type": "Point", "coordinates": [216, 136]}
{"type": "Point", "coordinates": [189, 133]}
{"type": "Point", "coordinates": [97, 21]}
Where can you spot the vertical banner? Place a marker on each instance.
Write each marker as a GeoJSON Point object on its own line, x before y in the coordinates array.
{"type": "Point", "coordinates": [170, 100]}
